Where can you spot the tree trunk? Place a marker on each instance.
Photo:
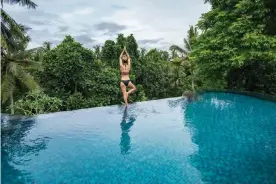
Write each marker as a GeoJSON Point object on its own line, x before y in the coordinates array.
{"type": "Point", "coordinates": [12, 107]}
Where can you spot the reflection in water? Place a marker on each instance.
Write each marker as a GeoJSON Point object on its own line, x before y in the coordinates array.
{"type": "Point", "coordinates": [126, 124]}
{"type": "Point", "coordinates": [16, 148]}
{"type": "Point", "coordinates": [231, 139]}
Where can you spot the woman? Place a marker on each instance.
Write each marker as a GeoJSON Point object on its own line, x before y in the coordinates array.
{"type": "Point", "coordinates": [125, 80]}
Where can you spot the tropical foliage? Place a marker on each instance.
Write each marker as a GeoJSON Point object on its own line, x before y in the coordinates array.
{"type": "Point", "coordinates": [15, 60]}
{"type": "Point", "coordinates": [237, 50]}
{"type": "Point", "coordinates": [36, 102]}
{"type": "Point", "coordinates": [14, 73]}
{"type": "Point", "coordinates": [192, 35]}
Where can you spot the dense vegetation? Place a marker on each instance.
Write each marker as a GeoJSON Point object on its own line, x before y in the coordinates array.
{"type": "Point", "coordinates": [233, 46]}
{"type": "Point", "coordinates": [237, 49]}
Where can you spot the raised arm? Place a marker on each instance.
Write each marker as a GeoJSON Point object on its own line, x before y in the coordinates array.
{"type": "Point", "coordinates": [127, 56]}
{"type": "Point", "coordinates": [120, 59]}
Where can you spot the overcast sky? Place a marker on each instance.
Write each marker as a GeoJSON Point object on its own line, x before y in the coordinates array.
{"type": "Point", "coordinates": [154, 23]}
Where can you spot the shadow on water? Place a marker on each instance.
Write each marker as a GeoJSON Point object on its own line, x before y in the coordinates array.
{"type": "Point", "coordinates": [126, 124]}
{"type": "Point", "coordinates": [235, 138]}
{"type": "Point", "coordinates": [15, 148]}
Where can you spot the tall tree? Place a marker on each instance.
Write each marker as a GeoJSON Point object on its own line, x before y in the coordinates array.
{"type": "Point", "coordinates": [15, 61]}
{"type": "Point", "coordinates": [235, 35]}
{"type": "Point", "coordinates": [132, 47]}
{"type": "Point", "coordinates": [120, 43]}
{"type": "Point", "coordinates": [65, 66]}
{"type": "Point", "coordinates": [109, 53]}
{"type": "Point", "coordinates": [192, 35]}
{"type": "Point", "coordinates": [14, 71]}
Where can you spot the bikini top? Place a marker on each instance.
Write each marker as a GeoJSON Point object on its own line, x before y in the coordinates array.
{"type": "Point", "coordinates": [124, 73]}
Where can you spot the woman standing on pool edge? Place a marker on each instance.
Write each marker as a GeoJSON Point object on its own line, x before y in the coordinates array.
{"type": "Point", "coordinates": [125, 80]}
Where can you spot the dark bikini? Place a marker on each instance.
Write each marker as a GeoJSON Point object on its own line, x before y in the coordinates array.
{"type": "Point", "coordinates": [125, 81]}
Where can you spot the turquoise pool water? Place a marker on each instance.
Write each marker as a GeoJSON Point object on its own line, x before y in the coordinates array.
{"type": "Point", "coordinates": [222, 138]}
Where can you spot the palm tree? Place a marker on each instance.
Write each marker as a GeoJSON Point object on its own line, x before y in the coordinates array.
{"type": "Point", "coordinates": [13, 35]}
{"type": "Point", "coordinates": [15, 61]}
{"type": "Point", "coordinates": [14, 70]}
{"type": "Point", "coordinates": [47, 46]}
{"type": "Point", "coordinates": [192, 34]}
{"type": "Point", "coordinates": [184, 52]}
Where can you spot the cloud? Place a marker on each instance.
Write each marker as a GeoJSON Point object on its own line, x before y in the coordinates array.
{"type": "Point", "coordinates": [77, 12]}
{"type": "Point", "coordinates": [55, 42]}
{"type": "Point", "coordinates": [93, 22]}
{"type": "Point", "coordinates": [118, 7]}
{"type": "Point", "coordinates": [63, 28]}
{"type": "Point", "coordinates": [109, 28]}
{"type": "Point", "coordinates": [37, 22]}
{"type": "Point", "coordinates": [150, 41]}
{"type": "Point", "coordinates": [84, 39]}
{"type": "Point", "coordinates": [39, 35]}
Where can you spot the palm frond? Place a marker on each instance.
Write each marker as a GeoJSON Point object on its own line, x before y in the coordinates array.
{"type": "Point", "coordinates": [7, 87]}
{"type": "Point", "coordinates": [11, 25]}
{"type": "Point", "coordinates": [47, 46]}
{"type": "Point", "coordinates": [13, 69]}
{"type": "Point", "coordinates": [6, 38]}
{"type": "Point", "coordinates": [26, 55]}
{"type": "Point", "coordinates": [178, 49]}
{"type": "Point", "coordinates": [3, 42]}
{"type": "Point", "coordinates": [23, 58]}
{"type": "Point", "coordinates": [24, 28]}
{"type": "Point", "coordinates": [192, 32]}
{"type": "Point", "coordinates": [32, 65]}
{"type": "Point", "coordinates": [28, 64]}
{"type": "Point", "coordinates": [27, 3]}
{"type": "Point", "coordinates": [13, 34]}
{"type": "Point", "coordinates": [187, 45]}
{"type": "Point", "coordinates": [23, 76]}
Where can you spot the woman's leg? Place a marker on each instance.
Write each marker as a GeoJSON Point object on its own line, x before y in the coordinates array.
{"type": "Point", "coordinates": [125, 94]}
{"type": "Point", "coordinates": [132, 88]}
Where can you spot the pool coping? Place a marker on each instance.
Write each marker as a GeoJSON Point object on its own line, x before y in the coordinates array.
{"type": "Point", "coordinates": [247, 93]}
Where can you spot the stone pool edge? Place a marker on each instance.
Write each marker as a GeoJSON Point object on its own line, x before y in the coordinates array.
{"type": "Point", "coordinates": [247, 93]}
{"type": "Point", "coordinates": [8, 117]}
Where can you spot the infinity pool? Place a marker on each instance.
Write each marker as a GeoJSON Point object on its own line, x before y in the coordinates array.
{"type": "Point", "coordinates": [222, 138]}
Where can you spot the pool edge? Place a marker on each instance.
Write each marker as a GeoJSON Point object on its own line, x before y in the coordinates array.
{"type": "Point", "coordinates": [246, 93]}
